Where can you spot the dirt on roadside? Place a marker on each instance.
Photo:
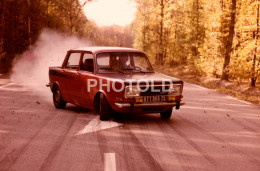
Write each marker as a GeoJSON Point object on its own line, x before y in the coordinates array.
{"type": "Point", "coordinates": [240, 90]}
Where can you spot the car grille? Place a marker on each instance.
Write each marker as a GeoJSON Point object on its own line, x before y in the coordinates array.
{"type": "Point", "coordinates": [154, 90]}
{"type": "Point", "coordinates": [158, 109]}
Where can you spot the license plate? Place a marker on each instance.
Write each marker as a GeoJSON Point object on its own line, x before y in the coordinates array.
{"type": "Point", "coordinates": [155, 99]}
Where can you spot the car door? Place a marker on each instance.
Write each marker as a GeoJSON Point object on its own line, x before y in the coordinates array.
{"type": "Point", "coordinates": [70, 85]}
{"type": "Point", "coordinates": [85, 74]}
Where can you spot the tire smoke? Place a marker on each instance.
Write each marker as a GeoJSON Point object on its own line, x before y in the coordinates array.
{"type": "Point", "coordinates": [32, 67]}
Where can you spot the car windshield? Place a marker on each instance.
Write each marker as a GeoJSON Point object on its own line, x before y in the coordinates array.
{"type": "Point", "coordinates": [123, 62]}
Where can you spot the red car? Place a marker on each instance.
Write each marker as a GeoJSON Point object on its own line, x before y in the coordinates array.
{"type": "Point", "coordinates": [112, 79]}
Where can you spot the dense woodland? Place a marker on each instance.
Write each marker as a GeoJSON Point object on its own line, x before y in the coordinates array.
{"type": "Point", "coordinates": [218, 38]}
{"type": "Point", "coordinates": [21, 23]}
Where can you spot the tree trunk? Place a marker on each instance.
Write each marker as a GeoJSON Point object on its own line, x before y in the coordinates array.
{"type": "Point", "coordinates": [144, 37]}
{"type": "Point", "coordinates": [2, 25]}
{"type": "Point", "coordinates": [70, 17]}
{"type": "Point", "coordinates": [197, 29]}
{"type": "Point", "coordinates": [254, 76]}
{"type": "Point", "coordinates": [225, 75]}
{"type": "Point", "coordinates": [29, 24]}
{"type": "Point", "coordinates": [161, 34]}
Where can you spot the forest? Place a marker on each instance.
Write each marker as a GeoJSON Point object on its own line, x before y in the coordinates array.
{"type": "Point", "coordinates": [22, 21]}
{"type": "Point", "coordinates": [217, 38]}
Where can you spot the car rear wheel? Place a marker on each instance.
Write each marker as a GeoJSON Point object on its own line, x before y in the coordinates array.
{"type": "Point", "coordinates": [104, 108]}
{"type": "Point", "coordinates": [57, 99]}
{"type": "Point", "coordinates": [166, 115]}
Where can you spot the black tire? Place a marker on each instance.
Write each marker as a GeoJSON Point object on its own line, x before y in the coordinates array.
{"type": "Point", "coordinates": [166, 115]}
{"type": "Point", "coordinates": [58, 102]}
{"type": "Point", "coordinates": [104, 108]}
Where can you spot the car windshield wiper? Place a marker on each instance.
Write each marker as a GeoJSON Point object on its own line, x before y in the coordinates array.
{"type": "Point", "coordinates": [121, 72]}
{"type": "Point", "coordinates": [112, 71]}
{"type": "Point", "coordinates": [131, 69]}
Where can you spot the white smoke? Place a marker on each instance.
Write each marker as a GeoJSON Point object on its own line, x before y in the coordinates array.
{"type": "Point", "coordinates": [31, 68]}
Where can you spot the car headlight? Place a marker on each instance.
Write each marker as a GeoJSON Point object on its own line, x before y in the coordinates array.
{"type": "Point", "coordinates": [131, 92]}
{"type": "Point", "coordinates": [175, 90]}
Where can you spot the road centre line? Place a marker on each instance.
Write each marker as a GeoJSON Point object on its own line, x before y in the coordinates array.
{"type": "Point", "coordinates": [109, 162]}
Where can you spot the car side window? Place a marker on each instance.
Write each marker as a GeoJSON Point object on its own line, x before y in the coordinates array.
{"type": "Point", "coordinates": [87, 63]}
{"type": "Point", "coordinates": [73, 61]}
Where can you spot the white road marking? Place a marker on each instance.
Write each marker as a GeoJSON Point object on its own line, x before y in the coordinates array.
{"type": "Point", "coordinates": [6, 85]}
{"type": "Point", "coordinates": [97, 125]}
{"type": "Point", "coordinates": [109, 162]}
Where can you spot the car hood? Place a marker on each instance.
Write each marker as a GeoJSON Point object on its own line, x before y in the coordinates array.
{"type": "Point", "coordinates": [149, 77]}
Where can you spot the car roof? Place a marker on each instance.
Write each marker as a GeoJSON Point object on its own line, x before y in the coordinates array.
{"type": "Point", "coordinates": [98, 49]}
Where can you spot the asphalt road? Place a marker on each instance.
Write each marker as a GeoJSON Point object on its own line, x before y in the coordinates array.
{"type": "Point", "coordinates": [211, 132]}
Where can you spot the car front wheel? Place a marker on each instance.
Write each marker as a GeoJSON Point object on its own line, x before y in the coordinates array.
{"type": "Point", "coordinates": [57, 99]}
{"type": "Point", "coordinates": [166, 115]}
{"type": "Point", "coordinates": [104, 108]}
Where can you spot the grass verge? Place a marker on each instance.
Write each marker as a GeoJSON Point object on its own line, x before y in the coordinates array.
{"type": "Point", "coordinates": [239, 90]}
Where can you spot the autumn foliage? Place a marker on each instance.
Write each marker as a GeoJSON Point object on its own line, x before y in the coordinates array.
{"type": "Point", "coordinates": [218, 38]}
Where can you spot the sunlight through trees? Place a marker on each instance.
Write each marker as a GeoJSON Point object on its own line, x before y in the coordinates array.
{"type": "Point", "coordinates": [217, 38]}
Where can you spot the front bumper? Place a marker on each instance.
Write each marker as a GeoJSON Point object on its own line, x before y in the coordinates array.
{"type": "Point", "coordinates": [165, 104]}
